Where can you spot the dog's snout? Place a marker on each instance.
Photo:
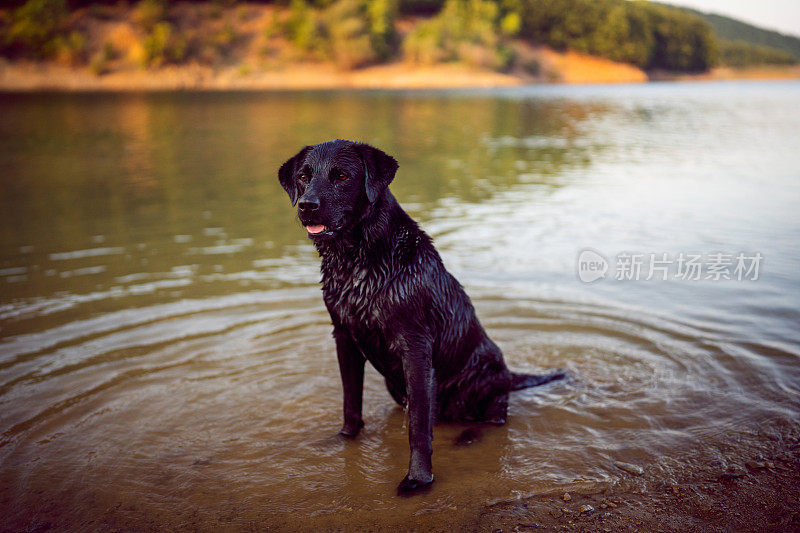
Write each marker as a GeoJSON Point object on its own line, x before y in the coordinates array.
{"type": "Point", "coordinates": [308, 204]}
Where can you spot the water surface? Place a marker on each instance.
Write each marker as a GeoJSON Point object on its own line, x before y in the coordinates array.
{"type": "Point", "coordinates": [166, 359]}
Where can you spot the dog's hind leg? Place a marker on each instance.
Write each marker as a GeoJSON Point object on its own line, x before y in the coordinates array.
{"type": "Point", "coordinates": [497, 410]}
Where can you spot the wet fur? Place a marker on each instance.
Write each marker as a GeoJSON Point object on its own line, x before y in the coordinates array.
{"type": "Point", "coordinates": [393, 303]}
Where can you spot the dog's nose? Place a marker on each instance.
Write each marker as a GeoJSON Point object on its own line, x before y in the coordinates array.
{"type": "Point", "coordinates": [309, 204]}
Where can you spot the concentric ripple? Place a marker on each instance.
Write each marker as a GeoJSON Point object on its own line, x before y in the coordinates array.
{"type": "Point", "coordinates": [239, 395]}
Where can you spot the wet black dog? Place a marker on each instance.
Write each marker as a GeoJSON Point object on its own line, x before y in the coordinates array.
{"type": "Point", "coordinates": [393, 303]}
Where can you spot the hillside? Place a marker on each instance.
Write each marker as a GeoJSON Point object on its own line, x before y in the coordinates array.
{"type": "Point", "coordinates": [736, 30]}
{"type": "Point", "coordinates": [157, 44]}
{"type": "Point", "coordinates": [358, 33]}
{"type": "Point", "coordinates": [200, 45]}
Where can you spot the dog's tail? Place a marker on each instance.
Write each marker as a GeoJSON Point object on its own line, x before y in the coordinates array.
{"type": "Point", "coordinates": [523, 381]}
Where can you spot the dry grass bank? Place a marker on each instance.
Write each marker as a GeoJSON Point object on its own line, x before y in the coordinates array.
{"type": "Point", "coordinates": [33, 77]}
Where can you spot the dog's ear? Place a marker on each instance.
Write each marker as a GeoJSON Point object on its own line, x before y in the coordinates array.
{"type": "Point", "coordinates": [287, 171]}
{"type": "Point", "coordinates": [379, 169]}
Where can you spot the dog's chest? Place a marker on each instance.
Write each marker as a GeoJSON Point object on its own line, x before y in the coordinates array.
{"type": "Point", "coordinates": [353, 290]}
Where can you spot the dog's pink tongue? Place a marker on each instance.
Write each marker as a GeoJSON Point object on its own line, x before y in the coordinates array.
{"type": "Point", "coordinates": [316, 229]}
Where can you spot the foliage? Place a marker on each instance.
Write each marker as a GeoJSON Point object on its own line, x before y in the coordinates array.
{"type": "Point", "coordinates": [355, 33]}
{"type": "Point", "coordinates": [304, 27]}
{"type": "Point", "coordinates": [163, 44]}
{"type": "Point", "coordinates": [347, 26]}
{"type": "Point", "coordinates": [510, 24]}
{"type": "Point", "coordinates": [465, 30]}
{"type": "Point", "coordinates": [351, 32]}
{"type": "Point", "coordinates": [100, 60]}
{"type": "Point", "coordinates": [647, 35]}
{"type": "Point", "coordinates": [274, 28]}
{"type": "Point", "coordinates": [744, 54]}
{"type": "Point", "coordinates": [682, 42]}
{"type": "Point", "coordinates": [70, 49]}
{"type": "Point", "coordinates": [225, 37]}
{"type": "Point", "coordinates": [34, 27]}
{"type": "Point", "coordinates": [148, 13]}
{"type": "Point", "coordinates": [244, 70]}
{"type": "Point", "coordinates": [382, 33]}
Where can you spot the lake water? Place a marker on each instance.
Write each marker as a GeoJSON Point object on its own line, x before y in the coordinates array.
{"type": "Point", "coordinates": [166, 359]}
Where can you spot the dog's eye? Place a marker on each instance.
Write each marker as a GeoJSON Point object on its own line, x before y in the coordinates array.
{"type": "Point", "coordinates": [339, 175]}
{"type": "Point", "coordinates": [303, 177]}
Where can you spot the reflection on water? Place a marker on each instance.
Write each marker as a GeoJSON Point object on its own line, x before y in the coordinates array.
{"type": "Point", "coordinates": [165, 357]}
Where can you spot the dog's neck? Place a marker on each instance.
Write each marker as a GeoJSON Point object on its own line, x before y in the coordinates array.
{"type": "Point", "coordinates": [372, 234]}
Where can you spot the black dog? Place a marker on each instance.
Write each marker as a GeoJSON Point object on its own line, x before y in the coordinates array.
{"type": "Point", "coordinates": [393, 303]}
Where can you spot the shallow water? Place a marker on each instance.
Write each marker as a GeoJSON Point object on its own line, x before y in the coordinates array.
{"type": "Point", "coordinates": [166, 360]}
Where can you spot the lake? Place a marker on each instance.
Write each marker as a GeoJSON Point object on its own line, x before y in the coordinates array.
{"type": "Point", "coordinates": [166, 359]}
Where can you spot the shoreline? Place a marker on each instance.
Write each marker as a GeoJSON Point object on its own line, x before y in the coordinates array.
{"type": "Point", "coordinates": [759, 494]}
{"type": "Point", "coordinates": [563, 68]}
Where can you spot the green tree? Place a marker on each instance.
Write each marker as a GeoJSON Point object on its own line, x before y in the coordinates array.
{"type": "Point", "coordinates": [637, 32]}
{"type": "Point", "coordinates": [33, 27]}
{"type": "Point", "coordinates": [383, 35]}
{"type": "Point", "coordinates": [465, 30]}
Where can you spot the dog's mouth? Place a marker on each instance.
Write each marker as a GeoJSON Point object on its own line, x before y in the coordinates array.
{"type": "Point", "coordinates": [315, 229]}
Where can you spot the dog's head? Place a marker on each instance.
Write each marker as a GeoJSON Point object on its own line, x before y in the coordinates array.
{"type": "Point", "coordinates": [334, 183]}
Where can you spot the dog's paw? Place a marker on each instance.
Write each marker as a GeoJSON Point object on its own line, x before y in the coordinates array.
{"type": "Point", "coordinates": [350, 431]}
{"type": "Point", "coordinates": [409, 486]}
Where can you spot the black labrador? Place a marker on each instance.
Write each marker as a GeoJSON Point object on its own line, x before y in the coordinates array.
{"type": "Point", "coordinates": [393, 303]}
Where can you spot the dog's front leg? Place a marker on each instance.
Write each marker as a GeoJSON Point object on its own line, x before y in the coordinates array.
{"type": "Point", "coordinates": [420, 392]}
{"type": "Point", "coordinates": [351, 368]}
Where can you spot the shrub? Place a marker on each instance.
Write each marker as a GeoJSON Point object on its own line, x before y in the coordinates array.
{"type": "Point", "coordinates": [465, 30]}
{"type": "Point", "coordinates": [304, 27]}
{"type": "Point", "coordinates": [33, 27]}
{"type": "Point", "coordinates": [70, 49]}
{"type": "Point", "coordinates": [177, 49]}
{"type": "Point", "coordinates": [383, 35]}
{"type": "Point", "coordinates": [162, 45]}
{"type": "Point", "coordinates": [351, 32]}
{"type": "Point", "coordinates": [349, 37]}
{"type": "Point", "coordinates": [274, 27]}
{"type": "Point", "coordinates": [148, 13]}
{"type": "Point", "coordinates": [225, 37]}
{"type": "Point", "coordinates": [100, 60]}
{"type": "Point", "coordinates": [244, 70]}
{"type": "Point", "coordinates": [424, 45]}
{"type": "Point", "coordinates": [511, 24]}
{"type": "Point", "coordinates": [108, 51]}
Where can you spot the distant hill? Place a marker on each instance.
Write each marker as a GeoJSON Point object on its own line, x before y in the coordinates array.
{"type": "Point", "coordinates": [736, 30]}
